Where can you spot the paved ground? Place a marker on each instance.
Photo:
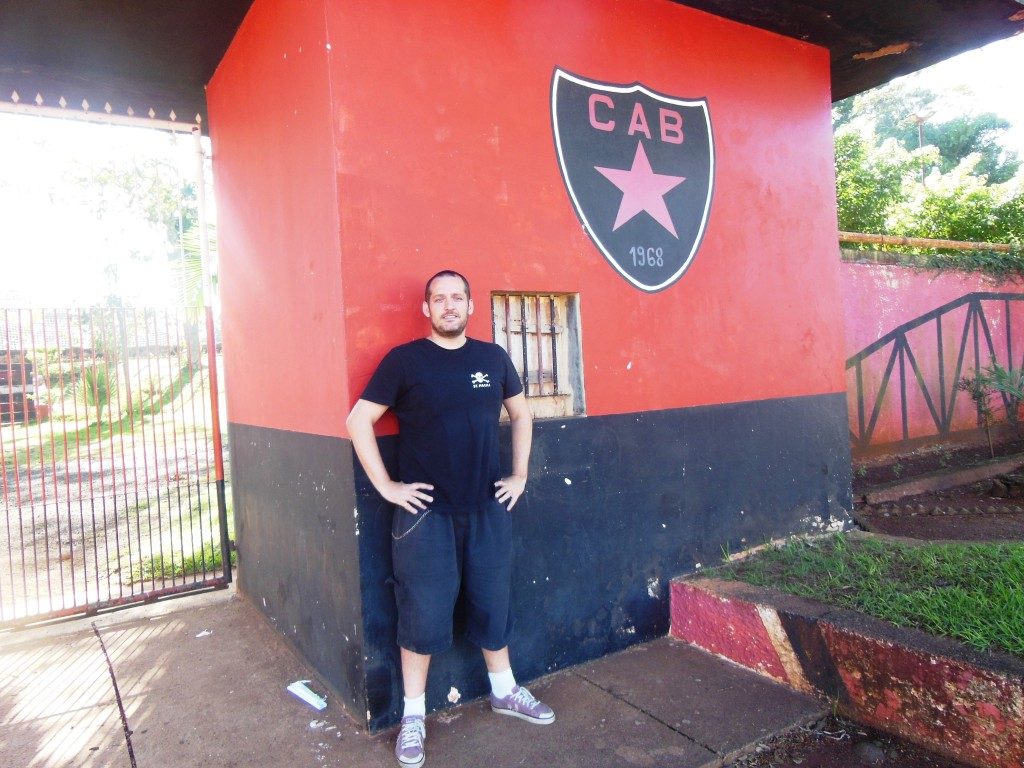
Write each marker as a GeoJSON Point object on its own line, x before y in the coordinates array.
{"type": "Point", "coordinates": [202, 681]}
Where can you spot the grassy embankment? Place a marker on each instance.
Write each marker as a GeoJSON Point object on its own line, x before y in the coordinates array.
{"type": "Point", "coordinates": [973, 593]}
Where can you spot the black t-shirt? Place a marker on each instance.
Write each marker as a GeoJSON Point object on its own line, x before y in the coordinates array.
{"type": "Point", "coordinates": [448, 402]}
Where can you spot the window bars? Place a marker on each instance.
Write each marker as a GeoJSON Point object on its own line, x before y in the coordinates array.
{"type": "Point", "coordinates": [540, 332]}
{"type": "Point", "coordinates": [528, 327]}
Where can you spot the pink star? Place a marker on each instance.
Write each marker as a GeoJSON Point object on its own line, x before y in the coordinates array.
{"type": "Point", "coordinates": [642, 190]}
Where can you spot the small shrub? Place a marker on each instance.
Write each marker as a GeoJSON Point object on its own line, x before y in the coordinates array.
{"type": "Point", "coordinates": [97, 387]}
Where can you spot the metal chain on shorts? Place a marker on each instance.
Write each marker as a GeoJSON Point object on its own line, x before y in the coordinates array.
{"type": "Point", "coordinates": [423, 516]}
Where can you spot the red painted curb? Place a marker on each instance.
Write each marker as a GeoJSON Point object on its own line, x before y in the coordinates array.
{"type": "Point", "coordinates": [731, 628]}
{"type": "Point", "coordinates": [931, 691]}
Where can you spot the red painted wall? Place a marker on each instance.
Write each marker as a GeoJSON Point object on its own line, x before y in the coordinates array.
{"type": "Point", "coordinates": [877, 298]}
{"type": "Point", "coordinates": [435, 118]}
{"type": "Point", "coordinates": [280, 254]}
{"type": "Point", "coordinates": [447, 158]}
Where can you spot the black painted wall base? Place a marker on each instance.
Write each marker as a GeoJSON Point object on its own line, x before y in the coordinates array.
{"type": "Point", "coordinates": [615, 507]}
{"type": "Point", "coordinates": [298, 550]}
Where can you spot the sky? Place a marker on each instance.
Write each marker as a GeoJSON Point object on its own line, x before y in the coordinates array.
{"type": "Point", "coordinates": [60, 243]}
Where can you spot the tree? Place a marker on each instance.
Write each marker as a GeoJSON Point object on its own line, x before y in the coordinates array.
{"type": "Point", "coordinates": [966, 135]}
{"type": "Point", "coordinates": [869, 180]}
{"type": "Point", "coordinates": [889, 111]}
{"type": "Point", "coordinates": [150, 187]}
{"type": "Point", "coordinates": [907, 113]}
{"type": "Point", "coordinates": [147, 188]}
{"type": "Point", "coordinates": [960, 205]}
{"type": "Point", "coordinates": [189, 270]}
{"type": "Point", "coordinates": [900, 172]}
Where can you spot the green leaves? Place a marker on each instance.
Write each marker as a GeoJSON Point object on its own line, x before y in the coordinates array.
{"type": "Point", "coordinates": [97, 387]}
{"type": "Point", "coordinates": [900, 172]}
{"type": "Point", "coordinates": [869, 181]}
{"type": "Point", "coordinates": [917, 117]}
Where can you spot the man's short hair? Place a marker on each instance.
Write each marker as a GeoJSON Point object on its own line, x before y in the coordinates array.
{"type": "Point", "coordinates": [445, 273]}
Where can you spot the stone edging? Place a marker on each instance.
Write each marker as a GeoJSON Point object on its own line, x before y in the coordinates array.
{"type": "Point", "coordinates": [942, 479]}
{"type": "Point", "coordinates": [929, 690]}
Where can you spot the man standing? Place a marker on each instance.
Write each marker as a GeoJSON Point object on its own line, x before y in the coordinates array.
{"type": "Point", "coordinates": [452, 523]}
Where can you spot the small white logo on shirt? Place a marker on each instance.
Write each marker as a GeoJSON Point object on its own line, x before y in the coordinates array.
{"type": "Point", "coordinates": [480, 379]}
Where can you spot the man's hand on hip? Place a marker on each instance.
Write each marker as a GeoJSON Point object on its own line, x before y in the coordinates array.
{"type": "Point", "coordinates": [510, 489]}
{"type": "Point", "coordinates": [412, 497]}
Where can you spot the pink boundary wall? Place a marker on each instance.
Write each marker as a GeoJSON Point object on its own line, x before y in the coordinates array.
{"type": "Point", "coordinates": [879, 297]}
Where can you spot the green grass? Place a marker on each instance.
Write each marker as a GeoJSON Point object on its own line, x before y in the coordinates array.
{"type": "Point", "coordinates": [973, 593]}
{"type": "Point", "coordinates": [178, 565]}
{"type": "Point", "coordinates": [183, 521]}
{"type": "Point", "coordinates": [44, 445]}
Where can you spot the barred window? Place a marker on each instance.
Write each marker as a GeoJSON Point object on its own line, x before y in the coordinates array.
{"type": "Point", "coordinates": [540, 332]}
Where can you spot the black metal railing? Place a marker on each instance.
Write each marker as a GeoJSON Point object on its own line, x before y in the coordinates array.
{"type": "Point", "coordinates": [976, 349]}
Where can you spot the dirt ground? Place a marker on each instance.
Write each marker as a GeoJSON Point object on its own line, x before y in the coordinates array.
{"type": "Point", "coordinates": [838, 743]}
{"type": "Point", "coordinates": [82, 509]}
{"type": "Point", "coordinates": [872, 471]}
{"type": "Point", "coordinates": [988, 510]}
{"type": "Point", "coordinates": [965, 519]}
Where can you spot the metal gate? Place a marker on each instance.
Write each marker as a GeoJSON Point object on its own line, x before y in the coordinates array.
{"type": "Point", "coordinates": [110, 444]}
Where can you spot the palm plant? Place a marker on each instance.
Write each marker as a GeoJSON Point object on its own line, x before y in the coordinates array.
{"type": "Point", "coordinates": [991, 380]}
{"type": "Point", "coordinates": [97, 387]}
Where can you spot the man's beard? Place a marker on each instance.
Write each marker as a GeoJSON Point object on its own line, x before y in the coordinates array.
{"type": "Point", "coordinates": [450, 333]}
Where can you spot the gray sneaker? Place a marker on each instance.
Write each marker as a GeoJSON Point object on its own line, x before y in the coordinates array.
{"type": "Point", "coordinates": [409, 747]}
{"type": "Point", "coordinates": [520, 703]}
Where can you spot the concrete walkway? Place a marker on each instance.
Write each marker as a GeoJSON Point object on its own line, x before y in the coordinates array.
{"type": "Point", "coordinates": [202, 682]}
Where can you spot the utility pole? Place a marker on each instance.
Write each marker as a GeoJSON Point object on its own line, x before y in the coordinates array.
{"type": "Point", "coordinates": [920, 118]}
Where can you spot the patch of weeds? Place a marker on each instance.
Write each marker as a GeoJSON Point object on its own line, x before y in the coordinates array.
{"type": "Point", "coordinates": [995, 265]}
{"type": "Point", "coordinates": [897, 469]}
{"type": "Point", "coordinates": [969, 592]}
{"type": "Point", "coordinates": [176, 565]}
{"type": "Point", "coordinates": [862, 471]}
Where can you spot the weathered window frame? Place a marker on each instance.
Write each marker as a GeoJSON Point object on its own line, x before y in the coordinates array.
{"type": "Point", "coordinates": [547, 356]}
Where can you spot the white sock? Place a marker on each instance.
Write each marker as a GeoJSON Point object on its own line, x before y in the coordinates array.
{"type": "Point", "coordinates": [417, 706]}
{"type": "Point", "coordinates": [502, 683]}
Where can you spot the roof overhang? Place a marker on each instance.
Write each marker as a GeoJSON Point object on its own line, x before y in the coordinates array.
{"type": "Point", "coordinates": [139, 54]}
{"type": "Point", "coordinates": [155, 55]}
{"type": "Point", "coordinates": [872, 41]}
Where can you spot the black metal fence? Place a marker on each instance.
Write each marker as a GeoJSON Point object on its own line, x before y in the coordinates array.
{"type": "Point", "coordinates": [924, 360]}
{"type": "Point", "coordinates": [112, 484]}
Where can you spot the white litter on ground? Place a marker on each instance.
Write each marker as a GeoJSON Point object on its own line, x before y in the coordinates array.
{"type": "Point", "coordinates": [314, 700]}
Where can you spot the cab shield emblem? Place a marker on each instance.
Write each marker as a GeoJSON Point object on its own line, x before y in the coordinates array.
{"type": "Point", "coordinates": [639, 167]}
